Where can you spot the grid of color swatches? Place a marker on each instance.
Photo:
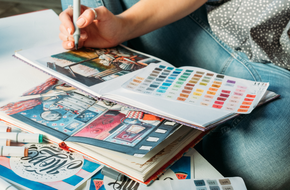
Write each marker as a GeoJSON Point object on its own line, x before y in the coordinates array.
{"type": "Point", "coordinates": [220, 184]}
{"type": "Point", "coordinates": [199, 87]}
{"type": "Point", "coordinates": [230, 183]}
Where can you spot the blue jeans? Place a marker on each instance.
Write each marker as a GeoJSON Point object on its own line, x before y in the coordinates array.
{"type": "Point", "coordinates": [253, 146]}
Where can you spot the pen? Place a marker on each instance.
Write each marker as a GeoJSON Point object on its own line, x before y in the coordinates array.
{"type": "Point", "coordinates": [76, 14]}
{"type": "Point", "coordinates": [112, 174]}
{"type": "Point", "coordinates": [19, 151]}
{"type": "Point", "coordinates": [5, 142]}
{"type": "Point", "coordinates": [22, 137]}
{"type": "Point", "coordinates": [5, 129]}
{"type": "Point", "coordinates": [5, 185]}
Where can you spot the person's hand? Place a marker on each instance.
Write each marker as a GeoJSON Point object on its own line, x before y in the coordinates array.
{"type": "Point", "coordinates": [109, 30]}
{"type": "Point", "coordinates": [102, 32]}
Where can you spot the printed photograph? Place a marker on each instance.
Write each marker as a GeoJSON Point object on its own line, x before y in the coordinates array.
{"type": "Point", "coordinates": [92, 66]}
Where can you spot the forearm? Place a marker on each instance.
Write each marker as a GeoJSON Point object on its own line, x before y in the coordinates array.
{"type": "Point", "coordinates": [148, 15]}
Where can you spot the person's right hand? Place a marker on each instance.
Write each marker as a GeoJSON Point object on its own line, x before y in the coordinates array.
{"type": "Point", "coordinates": [109, 30]}
{"type": "Point", "coordinates": [102, 32]}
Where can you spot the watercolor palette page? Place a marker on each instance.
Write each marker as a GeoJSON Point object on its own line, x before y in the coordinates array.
{"type": "Point", "coordinates": [198, 87]}
{"type": "Point", "coordinates": [63, 112]}
{"type": "Point", "coordinates": [48, 167]}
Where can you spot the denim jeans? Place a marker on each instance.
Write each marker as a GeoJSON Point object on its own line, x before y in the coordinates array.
{"type": "Point", "coordinates": [253, 146]}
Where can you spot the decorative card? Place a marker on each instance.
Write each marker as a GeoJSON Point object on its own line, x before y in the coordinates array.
{"type": "Point", "coordinates": [47, 167]}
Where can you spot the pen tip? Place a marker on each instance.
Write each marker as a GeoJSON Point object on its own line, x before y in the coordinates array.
{"type": "Point", "coordinates": [76, 46]}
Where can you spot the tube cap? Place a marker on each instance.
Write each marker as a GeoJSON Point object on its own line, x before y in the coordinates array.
{"type": "Point", "coordinates": [40, 138]}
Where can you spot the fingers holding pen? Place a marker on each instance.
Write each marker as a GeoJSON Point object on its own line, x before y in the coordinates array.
{"type": "Point", "coordinates": [83, 38]}
{"type": "Point", "coordinates": [86, 18]}
{"type": "Point", "coordinates": [68, 40]}
{"type": "Point", "coordinates": [67, 29]}
{"type": "Point", "coordinates": [66, 21]}
{"type": "Point", "coordinates": [66, 18]}
{"type": "Point", "coordinates": [93, 14]}
{"type": "Point", "coordinates": [90, 22]}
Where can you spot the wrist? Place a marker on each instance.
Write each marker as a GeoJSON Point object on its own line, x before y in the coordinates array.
{"type": "Point", "coordinates": [126, 28]}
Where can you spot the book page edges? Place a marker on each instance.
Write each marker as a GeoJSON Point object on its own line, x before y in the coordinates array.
{"type": "Point", "coordinates": [149, 168]}
{"type": "Point", "coordinates": [174, 159]}
{"type": "Point", "coordinates": [128, 159]}
{"type": "Point", "coordinates": [139, 176]}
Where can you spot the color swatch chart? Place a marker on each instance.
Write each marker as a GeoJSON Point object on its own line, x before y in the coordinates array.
{"type": "Point", "coordinates": [231, 183]}
{"type": "Point", "coordinates": [198, 87]}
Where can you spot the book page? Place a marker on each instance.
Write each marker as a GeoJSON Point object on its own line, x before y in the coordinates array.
{"type": "Point", "coordinates": [60, 111]}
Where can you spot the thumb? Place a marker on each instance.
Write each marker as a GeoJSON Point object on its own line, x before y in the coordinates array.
{"type": "Point", "coordinates": [89, 15]}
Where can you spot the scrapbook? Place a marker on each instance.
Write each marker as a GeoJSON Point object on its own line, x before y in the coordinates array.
{"type": "Point", "coordinates": [190, 96]}
{"type": "Point", "coordinates": [135, 143]}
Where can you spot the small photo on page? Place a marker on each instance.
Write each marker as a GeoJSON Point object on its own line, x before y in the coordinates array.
{"type": "Point", "coordinates": [121, 125]}
{"type": "Point", "coordinates": [92, 66]}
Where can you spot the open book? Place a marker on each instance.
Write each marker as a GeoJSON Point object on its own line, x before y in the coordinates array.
{"type": "Point", "coordinates": [190, 96]}
{"type": "Point", "coordinates": [105, 113]}
{"type": "Point", "coordinates": [64, 114]}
